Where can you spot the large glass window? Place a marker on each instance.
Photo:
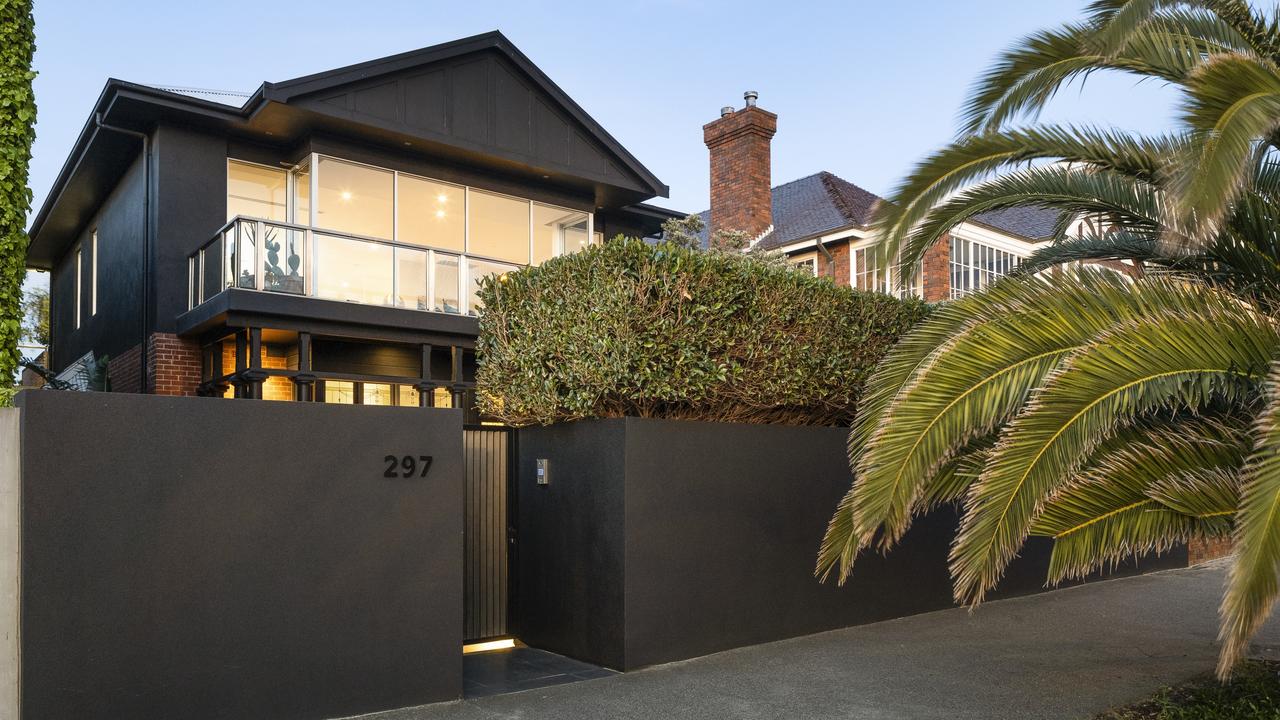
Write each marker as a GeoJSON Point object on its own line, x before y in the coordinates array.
{"type": "Point", "coordinates": [975, 266]}
{"type": "Point", "coordinates": [446, 284]}
{"type": "Point", "coordinates": [411, 279]}
{"type": "Point", "coordinates": [256, 191]}
{"type": "Point", "coordinates": [431, 213]}
{"type": "Point", "coordinates": [557, 231]}
{"type": "Point", "coordinates": [477, 269]}
{"type": "Point", "coordinates": [352, 270]}
{"type": "Point", "coordinates": [379, 236]}
{"type": "Point", "coordinates": [342, 392]}
{"type": "Point", "coordinates": [499, 227]}
{"type": "Point", "coordinates": [355, 199]}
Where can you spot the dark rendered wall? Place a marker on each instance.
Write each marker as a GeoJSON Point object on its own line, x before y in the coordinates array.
{"type": "Point", "coordinates": [196, 558]}
{"type": "Point", "coordinates": [570, 542]}
{"type": "Point", "coordinates": [116, 326]}
{"type": "Point", "coordinates": [721, 525]}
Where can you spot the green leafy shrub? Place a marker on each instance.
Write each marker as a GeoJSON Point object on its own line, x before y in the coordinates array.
{"type": "Point", "coordinates": [17, 130]}
{"type": "Point", "coordinates": [628, 328]}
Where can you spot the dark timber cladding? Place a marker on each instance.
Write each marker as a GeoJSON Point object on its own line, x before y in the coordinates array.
{"type": "Point", "coordinates": [487, 526]}
{"type": "Point", "coordinates": [215, 559]}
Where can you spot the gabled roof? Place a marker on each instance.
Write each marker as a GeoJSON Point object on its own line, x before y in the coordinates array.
{"type": "Point", "coordinates": [475, 101]}
{"type": "Point", "coordinates": [825, 203]}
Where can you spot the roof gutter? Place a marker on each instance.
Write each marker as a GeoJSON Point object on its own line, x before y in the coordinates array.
{"type": "Point", "coordinates": [143, 323]}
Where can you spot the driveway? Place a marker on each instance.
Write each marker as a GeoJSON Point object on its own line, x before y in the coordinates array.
{"type": "Point", "coordinates": [1063, 654]}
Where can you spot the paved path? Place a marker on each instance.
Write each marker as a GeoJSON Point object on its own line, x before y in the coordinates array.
{"type": "Point", "coordinates": [1065, 654]}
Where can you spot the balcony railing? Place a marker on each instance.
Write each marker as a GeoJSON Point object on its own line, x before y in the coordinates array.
{"type": "Point", "coordinates": [271, 256]}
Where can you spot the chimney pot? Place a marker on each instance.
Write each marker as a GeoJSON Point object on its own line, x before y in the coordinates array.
{"type": "Point", "coordinates": [726, 110]}
{"type": "Point", "coordinates": [740, 168]}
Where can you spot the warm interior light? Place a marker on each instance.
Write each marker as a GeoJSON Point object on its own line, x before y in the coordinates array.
{"type": "Point", "coordinates": [346, 194]}
{"type": "Point", "coordinates": [488, 646]}
{"type": "Point", "coordinates": [442, 197]}
{"type": "Point", "coordinates": [439, 213]}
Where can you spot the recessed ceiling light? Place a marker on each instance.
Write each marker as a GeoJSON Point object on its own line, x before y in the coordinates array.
{"type": "Point", "coordinates": [346, 194]}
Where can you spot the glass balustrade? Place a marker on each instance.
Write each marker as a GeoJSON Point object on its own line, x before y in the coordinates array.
{"type": "Point", "coordinates": [279, 257]}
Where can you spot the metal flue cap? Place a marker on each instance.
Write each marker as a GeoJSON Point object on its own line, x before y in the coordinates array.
{"type": "Point", "coordinates": [726, 110]}
{"type": "Point", "coordinates": [751, 96]}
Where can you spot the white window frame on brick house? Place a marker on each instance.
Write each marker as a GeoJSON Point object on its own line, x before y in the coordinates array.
{"type": "Point", "coordinates": [864, 275]}
{"type": "Point", "coordinates": [996, 255]}
{"type": "Point", "coordinates": [805, 262]}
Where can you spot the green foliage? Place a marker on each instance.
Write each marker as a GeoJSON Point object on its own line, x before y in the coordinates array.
{"type": "Point", "coordinates": [685, 232]}
{"type": "Point", "coordinates": [17, 121]}
{"type": "Point", "coordinates": [1253, 693]}
{"type": "Point", "coordinates": [628, 328]}
{"type": "Point", "coordinates": [1069, 404]}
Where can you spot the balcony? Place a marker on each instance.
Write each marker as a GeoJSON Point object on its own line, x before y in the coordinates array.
{"type": "Point", "coordinates": [279, 257]}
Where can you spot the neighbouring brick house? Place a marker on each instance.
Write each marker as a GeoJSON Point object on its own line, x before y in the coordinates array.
{"type": "Point", "coordinates": [821, 222]}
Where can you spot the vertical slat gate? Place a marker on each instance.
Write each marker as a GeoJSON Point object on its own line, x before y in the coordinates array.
{"type": "Point", "coordinates": [486, 553]}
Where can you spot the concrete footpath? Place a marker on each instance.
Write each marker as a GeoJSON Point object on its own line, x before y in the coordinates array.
{"type": "Point", "coordinates": [1064, 654]}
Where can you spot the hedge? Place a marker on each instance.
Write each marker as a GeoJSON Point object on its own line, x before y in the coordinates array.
{"type": "Point", "coordinates": [632, 329]}
{"type": "Point", "coordinates": [17, 120]}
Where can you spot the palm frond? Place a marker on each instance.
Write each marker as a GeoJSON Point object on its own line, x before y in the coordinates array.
{"type": "Point", "coordinates": [1093, 247]}
{"type": "Point", "coordinates": [1252, 583]}
{"type": "Point", "coordinates": [978, 157]}
{"type": "Point", "coordinates": [1231, 103]}
{"type": "Point", "coordinates": [978, 380]}
{"type": "Point", "coordinates": [1195, 344]}
{"type": "Point", "coordinates": [1122, 202]}
{"type": "Point", "coordinates": [1029, 75]}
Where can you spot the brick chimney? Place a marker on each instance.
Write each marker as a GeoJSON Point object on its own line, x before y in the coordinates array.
{"type": "Point", "coordinates": [741, 195]}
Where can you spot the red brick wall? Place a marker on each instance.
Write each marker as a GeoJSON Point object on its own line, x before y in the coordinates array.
{"type": "Point", "coordinates": [123, 371]}
{"type": "Point", "coordinates": [936, 271]}
{"type": "Point", "coordinates": [1199, 551]}
{"type": "Point", "coordinates": [173, 365]}
{"type": "Point", "coordinates": [840, 256]}
{"type": "Point", "coordinates": [741, 183]}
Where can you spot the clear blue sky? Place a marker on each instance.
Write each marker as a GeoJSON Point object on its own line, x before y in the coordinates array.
{"type": "Point", "coordinates": [862, 88]}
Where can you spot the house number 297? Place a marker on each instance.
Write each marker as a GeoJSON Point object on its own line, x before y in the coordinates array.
{"type": "Point", "coordinates": [406, 466]}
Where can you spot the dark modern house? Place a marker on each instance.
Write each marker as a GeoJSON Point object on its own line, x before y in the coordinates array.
{"type": "Point", "coordinates": [322, 241]}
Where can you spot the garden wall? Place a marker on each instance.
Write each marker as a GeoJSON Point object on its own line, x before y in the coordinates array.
{"type": "Point", "coordinates": [205, 558]}
{"type": "Point", "coordinates": [660, 540]}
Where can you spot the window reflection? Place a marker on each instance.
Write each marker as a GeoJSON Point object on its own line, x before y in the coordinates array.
{"type": "Point", "coordinates": [355, 198]}
{"type": "Point", "coordinates": [557, 231]}
{"type": "Point", "coordinates": [411, 279]}
{"type": "Point", "coordinates": [339, 391]}
{"type": "Point", "coordinates": [447, 284]}
{"type": "Point", "coordinates": [376, 394]}
{"type": "Point", "coordinates": [352, 270]}
{"type": "Point", "coordinates": [499, 227]}
{"type": "Point", "coordinates": [256, 191]}
{"type": "Point", "coordinates": [431, 213]}
{"type": "Point", "coordinates": [477, 269]}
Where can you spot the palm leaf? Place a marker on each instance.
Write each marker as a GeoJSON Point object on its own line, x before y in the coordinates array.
{"type": "Point", "coordinates": [1122, 202]}
{"type": "Point", "coordinates": [1252, 582]}
{"type": "Point", "coordinates": [1196, 345]}
{"type": "Point", "coordinates": [1232, 101]}
{"type": "Point", "coordinates": [1144, 490]}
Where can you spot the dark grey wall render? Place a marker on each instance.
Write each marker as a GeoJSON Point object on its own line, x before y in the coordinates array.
{"type": "Point", "coordinates": [661, 540]}
{"type": "Point", "coordinates": [199, 558]}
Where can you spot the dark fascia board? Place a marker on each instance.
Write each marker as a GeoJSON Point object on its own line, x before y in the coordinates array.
{"type": "Point", "coordinates": [113, 94]}
{"type": "Point", "coordinates": [318, 82]}
{"type": "Point", "coordinates": [235, 307]}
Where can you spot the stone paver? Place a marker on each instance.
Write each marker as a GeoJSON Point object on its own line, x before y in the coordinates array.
{"type": "Point", "coordinates": [1064, 654]}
